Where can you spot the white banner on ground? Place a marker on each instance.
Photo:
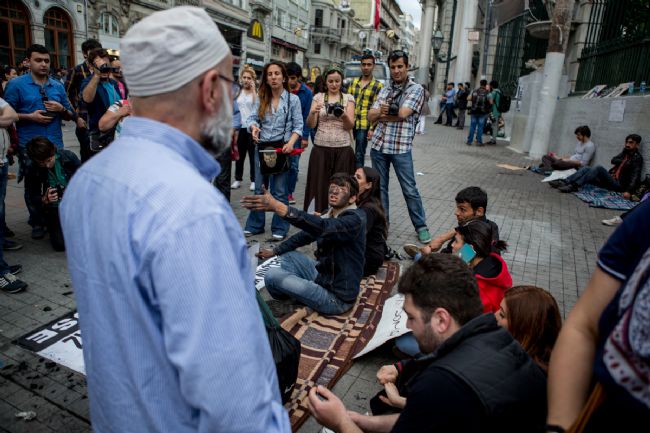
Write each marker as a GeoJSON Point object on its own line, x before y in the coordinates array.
{"type": "Point", "coordinates": [262, 269]}
{"type": "Point", "coordinates": [391, 325]}
{"type": "Point", "coordinates": [559, 174]}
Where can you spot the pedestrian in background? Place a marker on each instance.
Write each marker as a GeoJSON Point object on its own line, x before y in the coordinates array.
{"type": "Point", "coordinates": [246, 100]}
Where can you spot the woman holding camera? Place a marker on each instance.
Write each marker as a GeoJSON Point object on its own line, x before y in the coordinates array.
{"type": "Point", "coordinates": [333, 113]}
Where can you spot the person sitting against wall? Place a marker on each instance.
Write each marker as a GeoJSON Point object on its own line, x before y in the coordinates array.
{"type": "Point", "coordinates": [584, 152]}
{"type": "Point", "coordinates": [623, 177]}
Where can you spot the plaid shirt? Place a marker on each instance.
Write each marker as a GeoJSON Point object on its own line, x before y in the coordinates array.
{"type": "Point", "coordinates": [364, 97]}
{"type": "Point", "coordinates": [397, 137]}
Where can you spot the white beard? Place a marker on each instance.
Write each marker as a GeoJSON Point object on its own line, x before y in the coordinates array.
{"type": "Point", "coordinates": [216, 131]}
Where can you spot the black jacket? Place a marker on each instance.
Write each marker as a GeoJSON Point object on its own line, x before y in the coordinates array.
{"type": "Point", "coordinates": [489, 368]}
{"type": "Point", "coordinates": [341, 245]}
{"type": "Point", "coordinates": [70, 164]}
{"type": "Point", "coordinates": [631, 171]}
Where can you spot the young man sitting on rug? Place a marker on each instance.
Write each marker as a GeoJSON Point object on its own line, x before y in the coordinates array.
{"type": "Point", "coordinates": [623, 177]}
{"type": "Point", "coordinates": [471, 203]}
{"type": "Point", "coordinates": [585, 149]}
{"type": "Point", "coordinates": [475, 378]}
{"type": "Point", "coordinates": [329, 284]}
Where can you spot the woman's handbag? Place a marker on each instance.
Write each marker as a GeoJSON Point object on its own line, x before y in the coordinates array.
{"type": "Point", "coordinates": [272, 160]}
{"type": "Point", "coordinates": [285, 349]}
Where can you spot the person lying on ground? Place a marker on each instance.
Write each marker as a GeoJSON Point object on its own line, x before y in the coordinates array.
{"type": "Point", "coordinates": [329, 284]}
{"type": "Point", "coordinates": [623, 177]}
{"type": "Point", "coordinates": [584, 152]}
{"type": "Point", "coordinates": [475, 376]}
{"type": "Point", "coordinates": [471, 203]}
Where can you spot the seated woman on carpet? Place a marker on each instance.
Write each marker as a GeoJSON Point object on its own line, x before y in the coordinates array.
{"type": "Point", "coordinates": [376, 225]}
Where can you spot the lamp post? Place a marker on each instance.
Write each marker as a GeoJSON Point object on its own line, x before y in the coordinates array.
{"type": "Point", "coordinates": [436, 40]}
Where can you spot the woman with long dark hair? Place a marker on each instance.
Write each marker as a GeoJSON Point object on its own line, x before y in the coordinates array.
{"type": "Point", "coordinates": [369, 201]}
{"type": "Point", "coordinates": [276, 122]}
{"type": "Point", "coordinates": [333, 113]}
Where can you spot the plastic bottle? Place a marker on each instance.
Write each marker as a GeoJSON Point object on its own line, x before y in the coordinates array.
{"type": "Point", "coordinates": [630, 88]}
{"type": "Point", "coordinates": [642, 88]}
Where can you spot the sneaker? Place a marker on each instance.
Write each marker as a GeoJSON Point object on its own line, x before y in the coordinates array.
{"type": "Point", "coordinates": [15, 269]}
{"type": "Point", "coordinates": [479, 144]}
{"type": "Point", "coordinates": [411, 250]}
{"type": "Point", "coordinates": [469, 143]}
{"type": "Point", "coordinates": [252, 187]}
{"type": "Point", "coordinates": [291, 199]}
{"type": "Point", "coordinates": [11, 245]}
{"type": "Point", "coordinates": [277, 238]}
{"type": "Point", "coordinates": [38, 232]}
{"type": "Point", "coordinates": [424, 236]}
{"type": "Point", "coordinates": [11, 284]}
{"type": "Point", "coordinates": [236, 184]}
{"type": "Point", "coordinates": [570, 187]}
{"type": "Point", "coordinates": [613, 221]}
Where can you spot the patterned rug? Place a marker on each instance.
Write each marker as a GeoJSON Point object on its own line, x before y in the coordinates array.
{"type": "Point", "coordinates": [330, 342]}
{"type": "Point", "coordinates": [599, 197]}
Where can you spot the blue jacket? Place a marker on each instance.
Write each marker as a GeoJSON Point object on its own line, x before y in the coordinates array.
{"type": "Point", "coordinates": [341, 247]}
{"type": "Point", "coordinates": [306, 96]}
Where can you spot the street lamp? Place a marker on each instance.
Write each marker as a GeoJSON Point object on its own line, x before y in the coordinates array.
{"type": "Point", "coordinates": [436, 41]}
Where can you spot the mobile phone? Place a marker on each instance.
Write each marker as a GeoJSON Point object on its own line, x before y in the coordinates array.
{"type": "Point", "coordinates": [467, 253]}
{"type": "Point", "coordinates": [50, 114]}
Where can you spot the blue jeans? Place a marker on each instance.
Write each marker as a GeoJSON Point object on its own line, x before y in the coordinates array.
{"type": "Point", "coordinates": [403, 164]}
{"type": "Point", "coordinates": [408, 345]}
{"type": "Point", "coordinates": [360, 144]}
{"type": "Point", "coordinates": [278, 184]}
{"type": "Point", "coordinates": [295, 279]}
{"type": "Point", "coordinates": [477, 120]}
{"type": "Point", "coordinates": [4, 267]}
{"type": "Point", "coordinates": [598, 176]}
{"type": "Point", "coordinates": [294, 168]}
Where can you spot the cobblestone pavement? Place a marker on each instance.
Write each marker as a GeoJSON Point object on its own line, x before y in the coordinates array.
{"type": "Point", "coordinates": [553, 239]}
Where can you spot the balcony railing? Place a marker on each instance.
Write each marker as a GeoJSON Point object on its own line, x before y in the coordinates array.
{"type": "Point", "coordinates": [325, 31]}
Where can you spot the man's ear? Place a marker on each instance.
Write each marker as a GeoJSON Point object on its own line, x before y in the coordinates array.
{"type": "Point", "coordinates": [441, 320]}
{"type": "Point", "coordinates": [210, 91]}
{"type": "Point", "coordinates": [480, 211]}
{"type": "Point", "coordinates": [352, 199]}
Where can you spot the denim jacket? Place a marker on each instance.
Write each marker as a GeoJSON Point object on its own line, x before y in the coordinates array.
{"type": "Point", "coordinates": [340, 253]}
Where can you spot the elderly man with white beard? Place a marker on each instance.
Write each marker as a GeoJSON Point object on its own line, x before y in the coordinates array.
{"type": "Point", "coordinates": [157, 258]}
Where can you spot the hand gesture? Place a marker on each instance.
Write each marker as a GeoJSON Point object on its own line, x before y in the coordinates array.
{"type": "Point", "coordinates": [287, 148]}
{"type": "Point", "coordinates": [265, 254]}
{"type": "Point", "coordinates": [434, 245]}
{"type": "Point", "coordinates": [255, 133]}
{"type": "Point", "coordinates": [392, 396]}
{"type": "Point", "coordinates": [387, 374]}
{"type": "Point", "coordinates": [38, 116]}
{"type": "Point", "coordinates": [370, 133]}
{"type": "Point", "coordinates": [53, 106]}
{"type": "Point", "coordinates": [81, 123]}
{"type": "Point", "coordinates": [329, 411]}
{"type": "Point", "coordinates": [316, 106]}
{"type": "Point", "coordinates": [304, 143]}
{"type": "Point", "coordinates": [383, 108]}
{"type": "Point", "coordinates": [263, 203]}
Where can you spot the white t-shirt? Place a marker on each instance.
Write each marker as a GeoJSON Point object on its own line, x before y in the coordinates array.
{"type": "Point", "coordinates": [246, 105]}
{"type": "Point", "coordinates": [584, 152]}
{"type": "Point", "coordinates": [5, 140]}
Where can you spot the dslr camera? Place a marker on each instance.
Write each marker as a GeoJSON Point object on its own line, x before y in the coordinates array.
{"type": "Point", "coordinates": [59, 190]}
{"type": "Point", "coordinates": [105, 68]}
{"type": "Point", "coordinates": [335, 109]}
{"type": "Point", "coordinates": [393, 109]}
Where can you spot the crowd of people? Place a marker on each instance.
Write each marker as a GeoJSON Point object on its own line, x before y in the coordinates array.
{"type": "Point", "coordinates": [168, 271]}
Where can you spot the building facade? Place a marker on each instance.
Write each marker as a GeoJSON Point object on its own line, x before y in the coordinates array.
{"type": "Point", "coordinates": [387, 37]}
{"type": "Point", "coordinates": [290, 31]}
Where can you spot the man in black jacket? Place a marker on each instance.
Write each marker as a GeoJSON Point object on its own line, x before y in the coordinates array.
{"type": "Point", "coordinates": [329, 284]}
{"type": "Point", "coordinates": [475, 378]}
{"type": "Point", "coordinates": [623, 177]}
{"type": "Point", "coordinates": [53, 168]}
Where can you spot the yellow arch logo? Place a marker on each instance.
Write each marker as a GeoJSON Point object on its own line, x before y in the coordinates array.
{"type": "Point", "coordinates": [256, 30]}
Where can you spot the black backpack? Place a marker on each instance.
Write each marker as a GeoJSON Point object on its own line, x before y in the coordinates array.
{"type": "Point", "coordinates": [479, 101]}
{"type": "Point", "coordinates": [504, 103]}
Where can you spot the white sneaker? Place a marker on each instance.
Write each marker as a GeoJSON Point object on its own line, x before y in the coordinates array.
{"type": "Point", "coordinates": [613, 221]}
{"type": "Point", "coordinates": [252, 187]}
{"type": "Point", "coordinates": [236, 184]}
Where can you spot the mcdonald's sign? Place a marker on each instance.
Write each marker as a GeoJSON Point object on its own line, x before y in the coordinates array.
{"type": "Point", "coordinates": [256, 30]}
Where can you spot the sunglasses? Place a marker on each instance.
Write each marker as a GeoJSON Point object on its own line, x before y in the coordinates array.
{"type": "Point", "coordinates": [43, 94]}
{"type": "Point", "coordinates": [398, 53]}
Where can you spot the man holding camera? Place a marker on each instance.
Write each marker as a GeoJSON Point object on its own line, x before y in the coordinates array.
{"type": "Point", "coordinates": [99, 91]}
{"type": "Point", "coordinates": [41, 103]}
{"type": "Point", "coordinates": [52, 169]}
{"type": "Point", "coordinates": [396, 111]}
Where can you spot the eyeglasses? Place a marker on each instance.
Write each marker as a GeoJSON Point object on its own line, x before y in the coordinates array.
{"type": "Point", "coordinates": [337, 189]}
{"type": "Point", "coordinates": [223, 77]}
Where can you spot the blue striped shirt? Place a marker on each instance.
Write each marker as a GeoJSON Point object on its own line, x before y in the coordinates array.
{"type": "Point", "coordinates": [173, 337]}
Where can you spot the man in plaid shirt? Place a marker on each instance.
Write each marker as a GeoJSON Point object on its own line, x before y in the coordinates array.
{"type": "Point", "coordinates": [365, 90]}
{"type": "Point", "coordinates": [396, 112]}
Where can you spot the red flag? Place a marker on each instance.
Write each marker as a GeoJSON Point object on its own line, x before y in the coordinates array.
{"type": "Point", "coordinates": [377, 10]}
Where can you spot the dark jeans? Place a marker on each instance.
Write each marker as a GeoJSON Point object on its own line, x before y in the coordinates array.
{"type": "Point", "coordinates": [552, 163]}
{"type": "Point", "coordinates": [477, 122]}
{"type": "Point", "coordinates": [84, 144]}
{"type": "Point", "coordinates": [461, 117]}
{"type": "Point", "coordinates": [598, 176]}
{"type": "Point", "coordinates": [246, 148]}
{"type": "Point", "coordinates": [403, 165]}
{"type": "Point", "coordinates": [222, 181]}
{"type": "Point", "coordinates": [449, 109]}
{"type": "Point", "coordinates": [4, 267]}
{"type": "Point", "coordinates": [294, 168]}
{"type": "Point", "coordinates": [53, 225]}
{"type": "Point", "coordinates": [32, 190]}
{"type": "Point", "coordinates": [360, 144]}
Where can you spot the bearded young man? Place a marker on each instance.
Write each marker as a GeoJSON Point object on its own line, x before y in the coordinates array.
{"type": "Point", "coordinates": [144, 227]}
{"type": "Point", "coordinates": [329, 284]}
{"type": "Point", "coordinates": [474, 378]}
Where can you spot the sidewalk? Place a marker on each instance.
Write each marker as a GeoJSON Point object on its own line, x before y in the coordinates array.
{"type": "Point", "coordinates": [553, 240]}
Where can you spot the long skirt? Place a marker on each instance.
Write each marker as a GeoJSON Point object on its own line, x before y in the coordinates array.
{"type": "Point", "coordinates": [323, 163]}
